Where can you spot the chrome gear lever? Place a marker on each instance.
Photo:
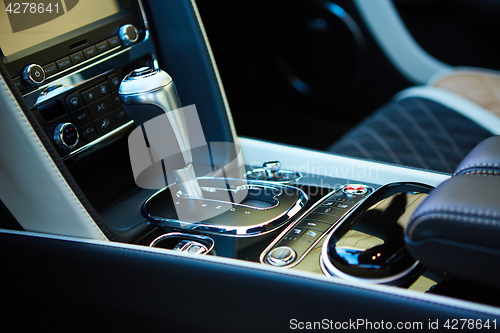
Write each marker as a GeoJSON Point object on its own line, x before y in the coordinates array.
{"type": "Point", "coordinates": [148, 93]}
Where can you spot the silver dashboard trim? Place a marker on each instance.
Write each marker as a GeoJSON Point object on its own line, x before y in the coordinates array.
{"type": "Point", "coordinates": [292, 225]}
{"type": "Point", "coordinates": [235, 231]}
{"type": "Point", "coordinates": [98, 140]}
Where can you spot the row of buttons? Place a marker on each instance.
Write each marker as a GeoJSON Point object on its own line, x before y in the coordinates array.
{"type": "Point", "coordinates": [69, 61]}
{"type": "Point", "coordinates": [300, 238]}
{"type": "Point", "coordinates": [80, 56]}
{"type": "Point", "coordinates": [97, 111]}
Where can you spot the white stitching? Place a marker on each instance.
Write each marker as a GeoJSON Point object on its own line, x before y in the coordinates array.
{"type": "Point", "coordinates": [477, 165]}
{"type": "Point", "coordinates": [45, 154]}
{"type": "Point", "coordinates": [406, 140]}
{"type": "Point", "coordinates": [443, 130]}
{"type": "Point", "coordinates": [445, 213]}
{"type": "Point", "coordinates": [426, 137]}
{"type": "Point", "coordinates": [382, 142]}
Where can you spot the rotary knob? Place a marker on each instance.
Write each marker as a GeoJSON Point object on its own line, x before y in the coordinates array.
{"type": "Point", "coordinates": [66, 136]}
{"type": "Point", "coordinates": [281, 256]}
{"type": "Point", "coordinates": [128, 34]}
{"type": "Point", "coordinates": [33, 75]}
{"type": "Point", "coordinates": [272, 169]}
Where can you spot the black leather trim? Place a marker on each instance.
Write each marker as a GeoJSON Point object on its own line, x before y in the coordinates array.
{"type": "Point", "coordinates": [483, 159]}
{"type": "Point", "coordinates": [457, 228]}
{"type": "Point", "coordinates": [58, 283]}
{"type": "Point", "coordinates": [108, 232]}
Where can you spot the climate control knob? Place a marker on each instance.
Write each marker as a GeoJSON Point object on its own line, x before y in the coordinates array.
{"type": "Point", "coordinates": [33, 75]}
{"type": "Point", "coordinates": [66, 136]}
{"type": "Point", "coordinates": [128, 34]}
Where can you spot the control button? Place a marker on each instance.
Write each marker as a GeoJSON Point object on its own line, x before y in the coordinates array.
{"type": "Point", "coordinates": [100, 107]}
{"type": "Point", "coordinates": [50, 69]}
{"type": "Point", "coordinates": [355, 189]}
{"type": "Point", "coordinates": [114, 81]}
{"type": "Point", "coordinates": [90, 52]}
{"type": "Point", "coordinates": [33, 75]}
{"type": "Point", "coordinates": [66, 136]}
{"type": "Point", "coordinates": [128, 34]}
{"type": "Point", "coordinates": [81, 116]}
{"type": "Point", "coordinates": [89, 96]}
{"type": "Point", "coordinates": [74, 101]}
{"type": "Point", "coordinates": [19, 83]}
{"type": "Point", "coordinates": [77, 58]}
{"type": "Point", "coordinates": [327, 218]}
{"type": "Point", "coordinates": [114, 41]}
{"type": "Point", "coordinates": [102, 89]}
{"type": "Point", "coordinates": [281, 256]}
{"type": "Point", "coordinates": [320, 226]}
{"type": "Point", "coordinates": [105, 124]}
{"type": "Point", "coordinates": [296, 232]}
{"type": "Point", "coordinates": [117, 102]}
{"type": "Point", "coordinates": [102, 47]}
{"type": "Point", "coordinates": [342, 206]}
{"type": "Point", "coordinates": [312, 234]}
{"type": "Point", "coordinates": [88, 132]}
{"type": "Point", "coordinates": [121, 116]}
{"type": "Point", "coordinates": [329, 210]}
{"type": "Point", "coordinates": [63, 63]}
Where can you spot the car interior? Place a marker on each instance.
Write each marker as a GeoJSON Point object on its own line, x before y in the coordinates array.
{"type": "Point", "coordinates": [316, 164]}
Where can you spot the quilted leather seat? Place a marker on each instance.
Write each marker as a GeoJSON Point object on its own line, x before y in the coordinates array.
{"type": "Point", "coordinates": [419, 131]}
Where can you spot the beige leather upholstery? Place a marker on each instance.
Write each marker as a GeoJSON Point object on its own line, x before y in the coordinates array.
{"type": "Point", "coordinates": [31, 185]}
{"type": "Point", "coordinates": [480, 86]}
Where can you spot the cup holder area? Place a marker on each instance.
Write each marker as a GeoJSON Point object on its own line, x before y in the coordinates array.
{"type": "Point", "coordinates": [369, 244]}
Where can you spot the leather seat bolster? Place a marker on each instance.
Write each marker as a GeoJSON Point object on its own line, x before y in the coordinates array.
{"type": "Point", "coordinates": [456, 229]}
{"type": "Point", "coordinates": [483, 159]}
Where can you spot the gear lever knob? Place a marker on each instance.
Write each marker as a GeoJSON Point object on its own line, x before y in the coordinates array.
{"type": "Point", "coordinates": [148, 93]}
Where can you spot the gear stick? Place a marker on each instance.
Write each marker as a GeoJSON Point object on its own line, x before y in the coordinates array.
{"type": "Point", "coordinates": [148, 93]}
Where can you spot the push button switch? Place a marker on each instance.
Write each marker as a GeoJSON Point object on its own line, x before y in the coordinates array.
{"type": "Point", "coordinates": [74, 101]}
{"type": "Point", "coordinates": [88, 132]}
{"type": "Point", "coordinates": [296, 232]}
{"type": "Point", "coordinates": [90, 52]}
{"type": "Point", "coordinates": [102, 47]}
{"type": "Point", "coordinates": [317, 225]}
{"type": "Point", "coordinates": [77, 58]}
{"type": "Point", "coordinates": [121, 116]}
{"type": "Point", "coordinates": [105, 124]}
{"type": "Point", "coordinates": [101, 89]}
{"type": "Point", "coordinates": [116, 100]}
{"type": "Point", "coordinates": [81, 116]}
{"type": "Point", "coordinates": [100, 107]}
{"type": "Point", "coordinates": [63, 63]}
{"type": "Point", "coordinates": [114, 41]}
{"type": "Point", "coordinates": [89, 96]}
{"type": "Point", "coordinates": [50, 69]}
{"type": "Point", "coordinates": [114, 81]}
{"type": "Point", "coordinates": [312, 234]}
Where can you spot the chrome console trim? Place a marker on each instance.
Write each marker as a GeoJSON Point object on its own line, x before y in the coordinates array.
{"type": "Point", "coordinates": [292, 225]}
{"type": "Point", "coordinates": [235, 231]}
{"type": "Point", "coordinates": [98, 140]}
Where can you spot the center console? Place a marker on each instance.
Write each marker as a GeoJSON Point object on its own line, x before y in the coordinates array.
{"type": "Point", "coordinates": [95, 86]}
{"type": "Point", "coordinates": [215, 195]}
